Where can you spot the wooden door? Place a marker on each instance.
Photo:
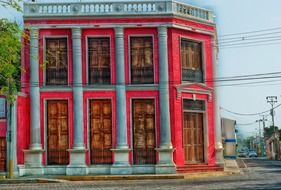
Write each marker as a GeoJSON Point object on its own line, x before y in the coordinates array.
{"type": "Point", "coordinates": [193, 138]}
{"type": "Point", "coordinates": [101, 131]}
{"type": "Point", "coordinates": [3, 154]}
{"type": "Point", "coordinates": [144, 132]}
{"type": "Point", "coordinates": [57, 133]}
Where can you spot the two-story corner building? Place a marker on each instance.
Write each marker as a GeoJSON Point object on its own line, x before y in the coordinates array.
{"type": "Point", "coordinates": [116, 87]}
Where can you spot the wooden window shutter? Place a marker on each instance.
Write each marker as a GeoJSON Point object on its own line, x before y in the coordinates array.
{"type": "Point", "coordinates": [99, 61]}
{"type": "Point", "coordinates": [141, 56]}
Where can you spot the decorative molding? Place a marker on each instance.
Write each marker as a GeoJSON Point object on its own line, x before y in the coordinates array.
{"type": "Point", "coordinates": [116, 8]}
{"type": "Point", "coordinates": [189, 88]}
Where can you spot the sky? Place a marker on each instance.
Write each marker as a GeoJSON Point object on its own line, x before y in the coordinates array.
{"type": "Point", "coordinates": [237, 16]}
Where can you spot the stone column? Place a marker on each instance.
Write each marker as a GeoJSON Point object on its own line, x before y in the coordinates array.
{"type": "Point", "coordinates": [77, 164]}
{"type": "Point", "coordinates": [121, 152]}
{"type": "Point", "coordinates": [33, 156]}
{"type": "Point", "coordinates": [218, 135]}
{"type": "Point", "coordinates": [166, 164]}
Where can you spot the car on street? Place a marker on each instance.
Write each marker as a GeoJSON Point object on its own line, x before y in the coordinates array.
{"type": "Point", "coordinates": [252, 154]}
{"type": "Point", "coordinates": [243, 153]}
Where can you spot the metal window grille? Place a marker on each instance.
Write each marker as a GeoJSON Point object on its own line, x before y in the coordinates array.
{"type": "Point", "coordinates": [141, 55]}
{"type": "Point", "coordinates": [99, 60]}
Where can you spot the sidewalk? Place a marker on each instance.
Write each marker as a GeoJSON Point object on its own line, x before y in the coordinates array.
{"type": "Point", "coordinates": [231, 166]}
{"type": "Point", "coordinates": [64, 179]}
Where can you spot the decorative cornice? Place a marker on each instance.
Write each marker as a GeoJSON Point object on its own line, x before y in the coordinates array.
{"type": "Point", "coordinates": [112, 8]}
{"type": "Point", "coordinates": [190, 88]}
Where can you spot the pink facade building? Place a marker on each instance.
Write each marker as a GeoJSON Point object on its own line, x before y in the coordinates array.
{"type": "Point", "coordinates": [116, 88]}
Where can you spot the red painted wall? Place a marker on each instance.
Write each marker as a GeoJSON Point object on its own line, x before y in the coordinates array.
{"type": "Point", "coordinates": [138, 21]}
{"type": "Point", "coordinates": [3, 127]}
{"type": "Point", "coordinates": [174, 36]}
{"type": "Point", "coordinates": [23, 127]}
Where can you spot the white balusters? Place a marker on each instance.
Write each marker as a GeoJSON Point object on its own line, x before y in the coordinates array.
{"type": "Point", "coordinates": [96, 7]}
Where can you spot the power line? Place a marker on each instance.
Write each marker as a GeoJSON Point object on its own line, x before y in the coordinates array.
{"type": "Point", "coordinates": [247, 43]}
{"type": "Point", "coordinates": [244, 124]}
{"type": "Point", "coordinates": [248, 114]}
{"type": "Point", "coordinates": [250, 32]}
{"type": "Point", "coordinates": [245, 39]}
{"type": "Point", "coordinates": [246, 46]}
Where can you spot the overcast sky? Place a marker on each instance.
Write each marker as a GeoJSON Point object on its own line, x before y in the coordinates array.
{"type": "Point", "coordinates": [236, 16]}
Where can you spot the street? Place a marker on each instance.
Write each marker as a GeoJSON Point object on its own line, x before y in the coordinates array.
{"type": "Point", "coordinates": [259, 174]}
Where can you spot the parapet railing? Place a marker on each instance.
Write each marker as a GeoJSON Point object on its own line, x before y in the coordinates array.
{"type": "Point", "coordinates": [115, 8]}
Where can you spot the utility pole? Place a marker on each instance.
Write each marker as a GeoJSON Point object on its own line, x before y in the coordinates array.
{"type": "Point", "coordinates": [272, 100]}
{"type": "Point", "coordinates": [260, 136]}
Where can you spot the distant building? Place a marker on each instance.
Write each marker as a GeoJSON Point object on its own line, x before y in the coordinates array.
{"type": "Point", "coordinates": [229, 138]}
{"type": "Point", "coordinates": [116, 88]}
{"type": "Point", "coordinates": [273, 148]}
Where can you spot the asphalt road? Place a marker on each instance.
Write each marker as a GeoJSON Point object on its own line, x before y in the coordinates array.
{"type": "Point", "coordinates": [259, 174]}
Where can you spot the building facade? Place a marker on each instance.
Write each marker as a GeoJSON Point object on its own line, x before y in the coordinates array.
{"type": "Point", "coordinates": [116, 88]}
{"type": "Point", "coordinates": [3, 134]}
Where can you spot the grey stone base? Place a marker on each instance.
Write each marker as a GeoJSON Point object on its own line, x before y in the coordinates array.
{"type": "Point", "coordinates": [121, 164]}
{"type": "Point", "coordinates": [33, 158]}
{"type": "Point", "coordinates": [24, 171]}
{"type": "Point", "coordinates": [121, 170]}
{"type": "Point", "coordinates": [76, 170]}
{"type": "Point", "coordinates": [77, 165]}
{"type": "Point", "coordinates": [55, 170]}
{"type": "Point", "coordinates": [143, 169]}
{"type": "Point", "coordinates": [165, 169]}
{"type": "Point", "coordinates": [219, 154]}
{"type": "Point", "coordinates": [166, 164]}
{"type": "Point", "coordinates": [99, 169]}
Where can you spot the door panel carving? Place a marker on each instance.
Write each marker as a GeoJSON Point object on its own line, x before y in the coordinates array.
{"type": "Point", "coordinates": [101, 131]}
{"type": "Point", "coordinates": [144, 132]}
{"type": "Point", "coordinates": [57, 138]}
{"type": "Point", "coordinates": [3, 154]}
{"type": "Point", "coordinates": [193, 137]}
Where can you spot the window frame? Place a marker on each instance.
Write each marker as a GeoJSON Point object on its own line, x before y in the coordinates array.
{"type": "Point", "coordinates": [130, 62]}
{"type": "Point", "coordinates": [5, 108]}
{"type": "Point", "coordinates": [87, 57]}
{"type": "Point", "coordinates": [203, 61]}
{"type": "Point", "coordinates": [68, 51]}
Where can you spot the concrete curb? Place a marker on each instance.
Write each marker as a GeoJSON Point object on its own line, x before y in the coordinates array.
{"type": "Point", "coordinates": [203, 175]}
{"type": "Point", "coordinates": [30, 180]}
{"type": "Point", "coordinates": [119, 177]}
{"type": "Point", "coordinates": [65, 179]}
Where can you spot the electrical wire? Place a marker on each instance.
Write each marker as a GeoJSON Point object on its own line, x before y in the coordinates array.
{"type": "Point", "coordinates": [250, 32]}
{"type": "Point", "coordinates": [248, 114]}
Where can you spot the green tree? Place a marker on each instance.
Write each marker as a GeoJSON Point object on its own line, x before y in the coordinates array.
{"type": "Point", "coordinates": [10, 35]}
{"type": "Point", "coordinates": [15, 4]}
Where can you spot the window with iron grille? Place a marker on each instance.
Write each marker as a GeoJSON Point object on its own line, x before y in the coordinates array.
{"type": "Point", "coordinates": [141, 56]}
{"type": "Point", "coordinates": [56, 61]}
{"type": "Point", "coordinates": [191, 61]}
{"type": "Point", "coordinates": [2, 108]}
{"type": "Point", "coordinates": [99, 60]}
